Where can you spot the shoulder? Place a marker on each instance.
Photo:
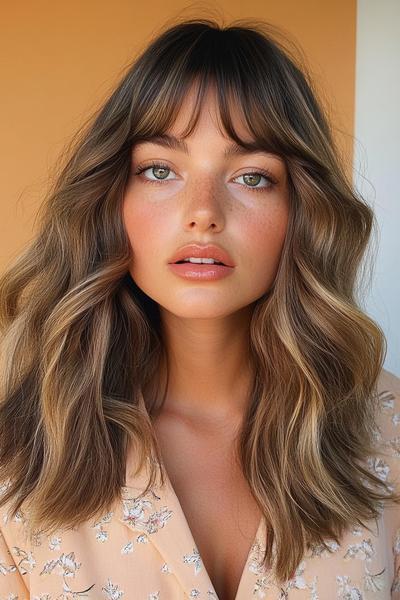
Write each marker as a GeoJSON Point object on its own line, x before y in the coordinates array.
{"type": "Point", "coordinates": [13, 529]}
{"type": "Point", "coordinates": [15, 562]}
{"type": "Point", "coordinates": [388, 382]}
{"type": "Point", "coordinates": [388, 419]}
{"type": "Point", "coordinates": [386, 463]}
{"type": "Point", "coordinates": [388, 466]}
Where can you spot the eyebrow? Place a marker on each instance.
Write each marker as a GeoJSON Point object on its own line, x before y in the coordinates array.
{"type": "Point", "coordinates": [174, 143]}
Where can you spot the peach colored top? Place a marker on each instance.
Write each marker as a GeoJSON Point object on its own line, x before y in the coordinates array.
{"type": "Point", "coordinates": [144, 550]}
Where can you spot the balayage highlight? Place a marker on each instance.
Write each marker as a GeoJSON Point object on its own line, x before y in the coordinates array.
{"type": "Point", "coordinates": [82, 347]}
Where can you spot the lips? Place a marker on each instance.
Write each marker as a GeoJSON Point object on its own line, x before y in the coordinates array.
{"type": "Point", "coordinates": [199, 251]}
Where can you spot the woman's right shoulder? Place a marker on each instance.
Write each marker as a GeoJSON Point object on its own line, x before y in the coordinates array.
{"type": "Point", "coordinates": [14, 576]}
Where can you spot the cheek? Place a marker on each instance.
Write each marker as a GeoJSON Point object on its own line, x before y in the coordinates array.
{"type": "Point", "coordinates": [146, 227]}
{"type": "Point", "coordinates": [265, 236]}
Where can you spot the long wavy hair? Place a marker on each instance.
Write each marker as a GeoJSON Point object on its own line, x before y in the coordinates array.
{"type": "Point", "coordinates": [81, 344]}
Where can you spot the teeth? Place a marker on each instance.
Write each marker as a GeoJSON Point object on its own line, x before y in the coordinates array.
{"type": "Point", "coordinates": [209, 261]}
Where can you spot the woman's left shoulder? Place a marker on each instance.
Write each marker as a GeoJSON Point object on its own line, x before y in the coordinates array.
{"type": "Point", "coordinates": [387, 381]}
{"type": "Point", "coordinates": [388, 387]}
{"type": "Point", "coordinates": [386, 464]}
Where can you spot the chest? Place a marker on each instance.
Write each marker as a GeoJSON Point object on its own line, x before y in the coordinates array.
{"type": "Point", "coordinates": [220, 510]}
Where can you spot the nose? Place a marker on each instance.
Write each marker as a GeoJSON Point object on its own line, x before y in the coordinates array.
{"type": "Point", "coordinates": [203, 207]}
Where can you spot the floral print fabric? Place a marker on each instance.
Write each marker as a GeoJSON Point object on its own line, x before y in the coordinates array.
{"type": "Point", "coordinates": [143, 549]}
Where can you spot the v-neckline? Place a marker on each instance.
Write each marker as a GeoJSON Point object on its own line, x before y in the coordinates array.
{"type": "Point", "coordinates": [159, 515]}
{"type": "Point", "coordinates": [242, 589]}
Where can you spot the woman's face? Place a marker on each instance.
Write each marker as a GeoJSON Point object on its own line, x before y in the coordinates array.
{"type": "Point", "coordinates": [202, 197]}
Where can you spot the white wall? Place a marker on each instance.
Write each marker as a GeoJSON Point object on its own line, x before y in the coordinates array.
{"type": "Point", "coordinates": [377, 156]}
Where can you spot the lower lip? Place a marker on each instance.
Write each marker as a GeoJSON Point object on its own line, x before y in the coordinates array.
{"type": "Point", "coordinates": [201, 272]}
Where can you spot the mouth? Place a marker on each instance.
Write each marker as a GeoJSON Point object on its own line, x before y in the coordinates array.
{"type": "Point", "coordinates": [181, 262]}
{"type": "Point", "coordinates": [202, 254]}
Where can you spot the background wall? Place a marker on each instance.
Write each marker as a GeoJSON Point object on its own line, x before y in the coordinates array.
{"type": "Point", "coordinates": [377, 155]}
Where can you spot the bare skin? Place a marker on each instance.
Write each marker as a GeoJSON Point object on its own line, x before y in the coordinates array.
{"type": "Point", "coordinates": [206, 324]}
{"type": "Point", "coordinates": [215, 498]}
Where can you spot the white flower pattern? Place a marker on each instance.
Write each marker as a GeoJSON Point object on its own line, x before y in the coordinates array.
{"type": "Point", "coordinates": [143, 549]}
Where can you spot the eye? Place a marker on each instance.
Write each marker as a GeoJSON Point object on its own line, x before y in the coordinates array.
{"type": "Point", "coordinates": [157, 167]}
{"type": "Point", "coordinates": [253, 177]}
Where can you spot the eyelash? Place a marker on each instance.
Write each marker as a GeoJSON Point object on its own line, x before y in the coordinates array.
{"type": "Point", "coordinates": [262, 172]}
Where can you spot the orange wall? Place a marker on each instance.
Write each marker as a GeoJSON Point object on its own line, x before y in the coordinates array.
{"type": "Point", "coordinates": [63, 59]}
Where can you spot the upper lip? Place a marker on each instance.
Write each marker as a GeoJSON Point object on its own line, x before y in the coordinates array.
{"type": "Point", "coordinates": [200, 251]}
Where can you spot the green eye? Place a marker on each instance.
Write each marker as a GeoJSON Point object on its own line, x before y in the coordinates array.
{"type": "Point", "coordinates": [154, 167]}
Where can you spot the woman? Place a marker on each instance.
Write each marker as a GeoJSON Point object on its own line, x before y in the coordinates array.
{"type": "Point", "coordinates": [172, 429]}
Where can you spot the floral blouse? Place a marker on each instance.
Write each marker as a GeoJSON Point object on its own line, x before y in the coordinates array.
{"type": "Point", "coordinates": [143, 549]}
